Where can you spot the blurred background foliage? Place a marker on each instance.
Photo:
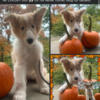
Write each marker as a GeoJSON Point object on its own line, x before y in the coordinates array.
{"type": "Point", "coordinates": [93, 10]}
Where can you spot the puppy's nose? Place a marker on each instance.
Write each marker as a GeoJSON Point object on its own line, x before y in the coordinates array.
{"type": "Point", "coordinates": [29, 40]}
{"type": "Point", "coordinates": [76, 30]}
{"type": "Point", "coordinates": [76, 78]}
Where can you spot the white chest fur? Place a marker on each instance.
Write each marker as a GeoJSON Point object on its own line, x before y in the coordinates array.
{"type": "Point", "coordinates": [27, 54]}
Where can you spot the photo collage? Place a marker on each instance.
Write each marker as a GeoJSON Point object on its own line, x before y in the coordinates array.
{"type": "Point", "coordinates": [49, 51]}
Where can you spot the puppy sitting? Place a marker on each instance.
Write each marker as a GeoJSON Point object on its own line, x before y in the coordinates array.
{"type": "Point", "coordinates": [73, 21]}
{"type": "Point", "coordinates": [73, 70]}
{"type": "Point", "coordinates": [27, 51]}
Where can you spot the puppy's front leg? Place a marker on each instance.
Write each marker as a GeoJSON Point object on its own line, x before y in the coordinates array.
{"type": "Point", "coordinates": [44, 88]}
{"type": "Point", "coordinates": [20, 82]}
{"type": "Point", "coordinates": [62, 88]}
{"type": "Point", "coordinates": [63, 39]}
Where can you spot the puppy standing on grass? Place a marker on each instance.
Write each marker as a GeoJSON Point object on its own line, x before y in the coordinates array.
{"type": "Point", "coordinates": [27, 51]}
{"type": "Point", "coordinates": [73, 21]}
{"type": "Point", "coordinates": [73, 71]}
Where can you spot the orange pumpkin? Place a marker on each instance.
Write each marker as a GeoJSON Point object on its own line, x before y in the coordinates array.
{"type": "Point", "coordinates": [90, 39]}
{"type": "Point", "coordinates": [6, 79]}
{"type": "Point", "coordinates": [97, 96]}
{"type": "Point", "coordinates": [81, 97]}
{"type": "Point", "coordinates": [69, 94]}
{"type": "Point", "coordinates": [73, 46]}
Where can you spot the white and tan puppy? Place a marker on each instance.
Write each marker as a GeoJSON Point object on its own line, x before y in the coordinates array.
{"type": "Point", "coordinates": [73, 71]}
{"type": "Point", "coordinates": [74, 23]}
{"type": "Point", "coordinates": [27, 51]}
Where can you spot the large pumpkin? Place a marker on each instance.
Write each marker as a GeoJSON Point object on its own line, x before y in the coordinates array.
{"type": "Point", "coordinates": [69, 94]}
{"type": "Point", "coordinates": [90, 39]}
{"type": "Point", "coordinates": [97, 96]}
{"type": "Point", "coordinates": [6, 79]}
{"type": "Point", "coordinates": [73, 46]}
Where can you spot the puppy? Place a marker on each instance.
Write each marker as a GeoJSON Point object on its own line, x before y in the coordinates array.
{"type": "Point", "coordinates": [73, 21]}
{"type": "Point", "coordinates": [27, 53]}
{"type": "Point", "coordinates": [73, 70]}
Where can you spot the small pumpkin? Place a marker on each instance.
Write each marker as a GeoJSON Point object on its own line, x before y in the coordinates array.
{"type": "Point", "coordinates": [97, 96]}
{"type": "Point", "coordinates": [6, 79]}
{"type": "Point", "coordinates": [70, 93]}
{"type": "Point", "coordinates": [71, 46]}
{"type": "Point", "coordinates": [81, 97]}
{"type": "Point", "coordinates": [90, 39]}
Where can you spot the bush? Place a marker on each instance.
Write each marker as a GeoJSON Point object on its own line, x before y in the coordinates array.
{"type": "Point", "coordinates": [58, 77]}
{"type": "Point", "coordinates": [58, 27]}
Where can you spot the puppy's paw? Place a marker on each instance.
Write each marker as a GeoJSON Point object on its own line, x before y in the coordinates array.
{"type": "Point", "coordinates": [19, 96]}
{"type": "Point", "coordinates": [44, 90]}
{"type": "Point", "coordinates": [12, 91]}
{"type": "Point", "coordinates": [61, 90]}
{"type": "Point", "coordinates": [61, 42]}
{"type": "Point", "coordinates": [63, 39]}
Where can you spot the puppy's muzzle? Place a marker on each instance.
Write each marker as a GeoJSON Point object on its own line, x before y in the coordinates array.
{"type": "Point", "coordinates": [76, 78]}
{"type": "Point", "coordinates": [30, 41]}
{"type": "Point", "coordinates": [76, 30]}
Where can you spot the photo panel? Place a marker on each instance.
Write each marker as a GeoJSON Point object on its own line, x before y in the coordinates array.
{"type": "Point", "coordinates": [24, 51]}
{"type": "Point", "coordinates": [75, 29]}
{"type": "Point", "coordinates": [76, 75]}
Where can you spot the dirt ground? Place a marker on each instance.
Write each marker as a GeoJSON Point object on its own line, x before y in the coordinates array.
{"type": "Point", "coordinates": [32, 93]}
{"type": "Point", "coordinates": [55, 47]}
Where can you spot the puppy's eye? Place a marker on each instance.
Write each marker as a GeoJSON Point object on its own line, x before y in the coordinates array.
{"type": "Point", "coordinates": [32, 26]}
{"type": "Point", "coordinates": [71, 69]}
{"type": "Point", "coordinates": [22, 28]}
{"type": "Point", "coordinates": [71, 20]}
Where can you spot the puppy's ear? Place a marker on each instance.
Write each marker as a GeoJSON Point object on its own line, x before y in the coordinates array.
{"type": "Point", "coordinates": [81, 12]}
{"type": "Point", "coordinates": [10, 18]}
{"type": "Point", "coordinates": [80, 60]}
{"type": "Point", "coordinates": [65, 61]}
{"type": "Point", "coordinates": [66, 15]}
{"type": "Point", "coordinates": [38, 15]}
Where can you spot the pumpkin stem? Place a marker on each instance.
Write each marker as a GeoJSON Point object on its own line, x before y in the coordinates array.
{"type": "Point", "coordinates": [90, 25]}
{"type": "Point", "coordinates": [69, 37]}
{"type": "Point", "coordinates": [68, 83]}
{"type": "Point", "coordinates": [90, 74]}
